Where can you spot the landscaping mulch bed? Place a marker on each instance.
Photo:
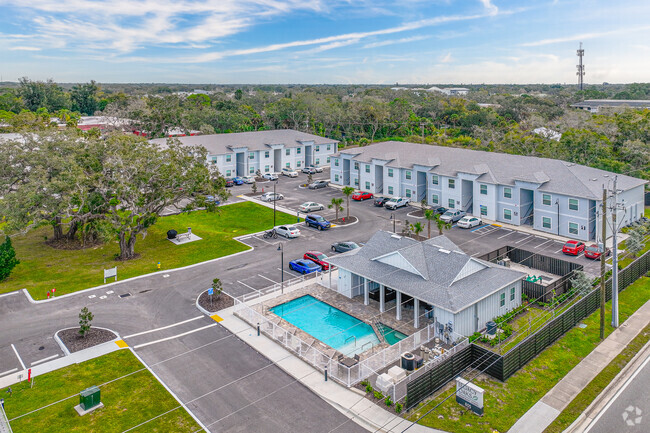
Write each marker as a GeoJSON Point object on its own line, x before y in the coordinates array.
{"type": "Point", "coordinates": [75, 342]}
{"type": "Point", "coordinates": [219, 302]}
{"type": "Point", "coordinates": [253, 194]}
{"type": "Point", "coordinates": [419, 213]}
{"type": "Point", "coordinates": [345, 221]}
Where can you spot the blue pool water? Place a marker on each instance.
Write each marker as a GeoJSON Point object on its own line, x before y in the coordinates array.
{"type": "Point", "coordinates": [391, 335]}
{"type": "Point", "coordinates": [330, 325]}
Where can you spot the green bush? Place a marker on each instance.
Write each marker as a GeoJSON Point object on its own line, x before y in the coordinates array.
{"type": "Point", "coordinates": [398, 407]}
{"type": "Point", "coordinates": [8, 260]}
{"type": "Point", "coordinates": [369, 388]}
{"type": "Point", "coordinates": [388, 401]}
{"type": "Point", "coordinates": [379, 395]}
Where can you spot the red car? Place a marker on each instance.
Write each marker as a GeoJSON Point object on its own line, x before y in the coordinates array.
{"type": "Point", "coordinates": [361, 195]}
{"type": "Point", "coordinates": [573, 247]}
{"type": "Point", "coordinates": [594, 251]}
{"type": "Point", "coordinates": [318, 258]}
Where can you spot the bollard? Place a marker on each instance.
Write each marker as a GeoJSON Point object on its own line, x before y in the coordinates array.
{"type": "Point", "coordinates": [258, 329]}
{"type": "Point", "coordinates": [326, 373]}
{"type": "Point", "coordinates": [158, 265]}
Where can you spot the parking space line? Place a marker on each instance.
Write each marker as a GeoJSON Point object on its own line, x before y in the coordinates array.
{"type": "Point", "coordinates": [250, 287]}
{"type": "Point", "coordinates": [163, 327]}
{"type": "Point", "coordinates": [285, 271]}
{"type": "Point", "coordinates": [543, 243]}
{"type": "Point", "coordinates": [18, 356]}
{"type": "Point", "coordinates": [174, 336]}
{"type": "Point", "coordinates": [558, 251]}
{"type": "Point", "coordinates": [527, 237]}
{"type": "Point", "coordinates": [266, 278]}
{"type": "Point", "coordinates": [4, 373]}
{"type": "Point", "coordinates": [45, 359]}
{"type": "Point", "coordinates": [505, 234]}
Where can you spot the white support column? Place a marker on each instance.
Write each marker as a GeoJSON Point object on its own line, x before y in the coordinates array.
{"type": "Point", "coordinates": [366, 291]}
{"type": "Point", "coordinates": [382, 298]}
{"type": "Point", "coordinates": [416, 313]}
{"type": "Point", "coordinates": [398, 305]}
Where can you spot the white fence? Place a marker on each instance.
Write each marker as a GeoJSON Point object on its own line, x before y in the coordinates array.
{"type": "Point", "coordinates": [316, 277]}
{"type": "Point", "coordinates": [4, 422]}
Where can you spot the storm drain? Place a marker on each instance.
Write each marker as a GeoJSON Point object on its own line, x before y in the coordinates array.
{"type": "Point", "coordinates": [126, 295]}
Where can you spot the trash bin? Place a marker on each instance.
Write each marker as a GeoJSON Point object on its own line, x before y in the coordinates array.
{"type": "Point", "coordinates": [171, 234]}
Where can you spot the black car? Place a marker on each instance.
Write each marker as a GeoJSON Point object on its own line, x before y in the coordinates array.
{"type": "Point", "coordinates": [318, 184]}
{"type": "Point", "coordinates": [440, 210]}
{"type": "Point", "coordinates": [381, 201]}
{"type": "Point", "coordinates": [344, 247]}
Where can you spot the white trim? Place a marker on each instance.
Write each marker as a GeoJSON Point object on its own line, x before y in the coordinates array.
{"type": "Point", "coordinates": [163, 327]}
{"type": "Point", "coordinates": [18, 356]}
{"type": "Point", "coordinates": [174, 336]}
{"type": "Point", "coordinates": [56, 355]}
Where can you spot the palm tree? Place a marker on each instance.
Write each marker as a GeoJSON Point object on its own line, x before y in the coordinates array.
{"type": "Point", "coordinates": [442, 225]}
{"type": "Point", "coordinates": [417, 228]}
{"type": "Point", "coordinates": [336, 204]}
{"type": "Point", "coordinates": [429, 215]}
{"type": "Point", "coordinates": [347, 191]}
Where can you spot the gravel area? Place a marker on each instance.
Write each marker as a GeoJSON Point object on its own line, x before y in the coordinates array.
{"type": "Point", "coordinates": [219, 302]}
{"type": "Point", "coordinates": [75, 342]}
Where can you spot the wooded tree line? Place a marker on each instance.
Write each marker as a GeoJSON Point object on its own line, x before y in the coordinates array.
{"type": "Point", "coordinates": [358, 115]}
{"type": "Point", "coordinates": [91, 189]}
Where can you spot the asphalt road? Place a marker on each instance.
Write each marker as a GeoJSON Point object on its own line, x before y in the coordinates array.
{"type": "Point", "coordinates": [229, 386]}
{"type": "Point", "coordinates": [629, 409]}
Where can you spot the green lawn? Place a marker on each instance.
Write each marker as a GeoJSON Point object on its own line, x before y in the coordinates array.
{"type": "Point", "coordinates": [600, 382]}
{"type": "Point", "coordinates": [129, 401]}
{"type": "Point", "coordinates": [505, 402]}
{"type": "Point", "coordinates": [42, 268]}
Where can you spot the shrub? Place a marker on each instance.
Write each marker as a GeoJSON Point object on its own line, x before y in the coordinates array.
{"type": "Point", "coordinates": [369, 388]}
{"type": "Point", "coordinates": [398, 407]}
{"type": "Point", "coordinates": [7, 259]}
{"type": "Point", "coordinates": [388, 401]}
{"type": "Point", "coordinates": [379, 395]}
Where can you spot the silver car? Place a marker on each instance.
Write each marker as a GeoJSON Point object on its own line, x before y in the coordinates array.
{"type": "Point", "coordinates": [310, 206]}
{"type": "Point", "coordinates": [288, 231]}
{"type": "Point", "coordinates": [271, 196]}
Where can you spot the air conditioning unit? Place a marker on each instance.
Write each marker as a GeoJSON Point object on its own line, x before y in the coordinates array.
{"type": "Point", "coordinates": [506, 262]}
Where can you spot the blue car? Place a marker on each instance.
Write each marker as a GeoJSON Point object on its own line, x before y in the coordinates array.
{"type": "Point", "coordinates": [304, 266]}
{"type": "Point", "coordinates": [238, 180]}
{"type": "Point", "coordinates": [213, 199]}
{"type": "Point", "coordinates": [317, 221]}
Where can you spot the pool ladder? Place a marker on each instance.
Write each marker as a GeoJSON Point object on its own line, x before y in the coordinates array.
{"type": "Point", "coordinates": [349, 338]}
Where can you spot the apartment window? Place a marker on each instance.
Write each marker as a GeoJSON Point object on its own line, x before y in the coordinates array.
{"type": "Point", "coordinates": [214, 160]}
{"type": "Point", "coordinates": [546, 222]}
{"type": "Point", "coordinates": [298, 150]}
{"type": "Point", "coordinates": [267, 168]}
{"type": "Point", "coordinates": [251, 170]}
{"type": "Point", "coordinates": [434, 179]}
{"type": "Point", "coordinates": [452, 183]}
{"type": "Point", "coordinates": [408, 193]}
{"type": "Point", "coordinates": [573, 228]}
{"type": "Point", "coordinates": [329, 147]}
{"type": "Point", "coordinates": [317, 161]}
{"type": "Point", "coordinates": [228, 173]}
{"type": "Point", "coordinates": [507, 192]}
{"type": "Point", "coordinates": [390, 172]}
{"type": "Point", "coordinates": [367, 168]}
{"type": "Point", "coordinates": [288, 165]}
{"type": "Point", "coordinates": [408, 175]}
{"type": "Point", "coordinates": [251, 155]}
{"type": "Point", "coordinates": [502, 300]}
{"type": "Point", "coordinates": [367, 186]}
{"type": "Point", "coordinates": [336, 162]}
{"type": "Point", "coordinates": [328, 160]}
{"type": "Point", "coordinates": [336, 178]}
{"type": "Point", "coordinates": [451, 203]}
{"type": "Point", "coordinates": [546, 199]}
{"type": "Point", "coordinates": [434, 199]}
{"type": "Point", "coordinates": [512, 293]}
{"type": "Point", "coordinates": [356, 165]}
{"type": "Point", "coordinates": [356, 182]}
{"type": "Point", "coordinates": [484, 189]}
{"type": "Point", "coordinates": [507, 214]}
{"type": "Point", "coordinates": [298, 163]}
{"type": "Point", "coordinates": [573, 204]}
{"type": "Point", "coordinates": [287, 152]}
{"type": "Point", "coordinates": [390, 190]}
{"type": "Point", "coordinates": [228, 158]}
{"type": "Point", "coordinates": [317, 148]}
{"type": "Point", "coordinates": [483, 210]}
{"type": "Point", "coordinates": [266, 154]}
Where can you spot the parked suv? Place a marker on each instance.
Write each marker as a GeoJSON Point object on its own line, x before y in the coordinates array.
{"type": "Point", "coordinates": [397, 202]}
{"type": "Point", "coordinates": [289, 172]}
{"type": "Point", "coordinates": [317, 221]}
{"type": "Point", "coordinates": [452, 215]}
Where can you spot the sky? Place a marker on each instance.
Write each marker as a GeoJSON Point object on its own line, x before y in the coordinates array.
{"type": "Point", "coordinates": [324, 41]}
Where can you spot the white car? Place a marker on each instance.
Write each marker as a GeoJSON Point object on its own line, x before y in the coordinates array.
{"type": "Point", "coordinates": [288, 231]}
{"type": "Point", "coordinates": [248, 179]}
{"type": "Point", "coordinates": [397, 202]}
{"type": "Point", "coordinates": [271, 196]}
{"type": "Point", "coordinates": [289, 172]}
{"type": "Point", "coordinates": [469, 221]}
{"type": "Point", "coordinates": [270, 176]}
{"type": "Point", "coordinates": [310, 206]}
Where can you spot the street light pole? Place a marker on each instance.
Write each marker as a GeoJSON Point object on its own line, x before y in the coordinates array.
{"type": "Point", "coordinates": [274, 200]}
{"type": "Point", "coordinates": [281, 268]}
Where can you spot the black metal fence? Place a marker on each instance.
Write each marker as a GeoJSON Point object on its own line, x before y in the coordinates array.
{"type": "Point", "coordinates": [501, 367]}
{"type": "Point", "coordinates": [551, 265]}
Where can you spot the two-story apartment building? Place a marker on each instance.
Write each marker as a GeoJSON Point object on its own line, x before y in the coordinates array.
{"type": "Point", "coordinates": [550, 195]}
{"type": "Point", "coordinates": [244, 153]}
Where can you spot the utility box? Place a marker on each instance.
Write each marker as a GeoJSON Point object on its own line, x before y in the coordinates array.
{"type": "Point", "coordinates": [89, 398]}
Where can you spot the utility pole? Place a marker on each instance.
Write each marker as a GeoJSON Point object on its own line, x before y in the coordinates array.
{"type": "Point", "coordinates": [615, 207]}
{"type": "Point", "coordinates": [580, 66]}
{"type": "Point", "coordinates": [603, 292]}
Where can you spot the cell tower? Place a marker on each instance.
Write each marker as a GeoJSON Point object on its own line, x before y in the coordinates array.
{"type": "Point", "coordinates": [581, 67]}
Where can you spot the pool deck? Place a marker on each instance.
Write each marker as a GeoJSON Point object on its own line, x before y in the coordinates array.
{"type": "Point", "coordinates": [353, 307]}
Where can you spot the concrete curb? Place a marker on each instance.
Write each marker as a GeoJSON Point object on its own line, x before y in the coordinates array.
{"type": "Point", "coordinates": [67, 352]}
{"type": "Point", "coordinates": [31, 300]}
{"type": "Point", "coordinates": [337, 226]}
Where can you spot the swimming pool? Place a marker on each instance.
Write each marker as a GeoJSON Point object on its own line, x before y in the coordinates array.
{"type": "Point", "coordinates": [337, 329]}
{"type": "Point", "coordinates": [391, 335]}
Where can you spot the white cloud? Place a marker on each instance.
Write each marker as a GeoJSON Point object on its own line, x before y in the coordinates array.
{"type": "Point", "coordinates": [25, 48]}
{"type": "Point", "coordinates": [396, 41]}
{"type": "Point", "coordinates": [446, 59]}
{"type": "Point", "coordinates": [492, 9]}
{"type": "Point", "coordinates": [583, 36]}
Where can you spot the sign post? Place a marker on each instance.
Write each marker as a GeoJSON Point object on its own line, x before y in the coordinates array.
{"type": "Point", "coordinates": [109, 273]}
{"type": "Point", "coordinates": [469, 396]}
{"type": "Point", "coordinates": [211, 292]}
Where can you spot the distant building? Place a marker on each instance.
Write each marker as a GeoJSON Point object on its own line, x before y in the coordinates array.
{"type": "Point", "coordinates": [548, 133]}
{"type": "Point", "coordinates": [243, 153]}
{"type": "Point", "coordinates": [593, 105]}
{"type": "Point", "coordinates": [451, 91]}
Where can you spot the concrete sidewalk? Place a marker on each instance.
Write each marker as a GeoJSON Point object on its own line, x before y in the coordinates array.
{"type": "Point", "coordinates": [349, 401]}
{"type": "Point", "coordinates": [542, 414]}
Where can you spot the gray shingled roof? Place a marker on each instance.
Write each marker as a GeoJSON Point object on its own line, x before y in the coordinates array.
{"type": "Point", "coordinates": [596, 103]}
{"type": "Point", "coordinates": [218, 144]}
{"type": "Point", "coordinates": [553, 175]}
{"type": "Point", "coordinates": [439, 261]}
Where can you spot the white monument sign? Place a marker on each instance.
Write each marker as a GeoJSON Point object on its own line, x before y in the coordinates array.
{"type": "Point", "coordinates": [109, 273]}
{"type": "Point", "coordinates": [469, 396]}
